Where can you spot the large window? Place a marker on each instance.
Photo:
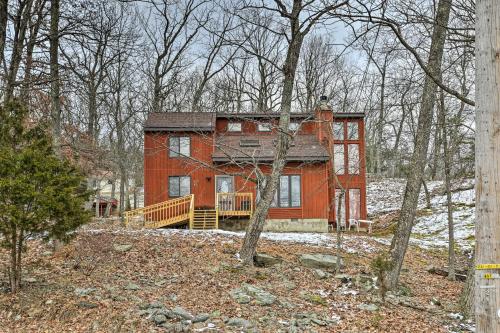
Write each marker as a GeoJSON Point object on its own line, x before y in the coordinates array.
{"type": "Point", "coordinates": [352, 130]}
{"type": "Point", "coordinates": [354, 203]}
{"type": "Point", "coordinates": [179, 186]}
{"type": "Point", "coordinates": [234, 127]}
{"type": "Point", "coordinates": [340, 219]}
{"type": "Point", "coordinates": [287, 193]}
{"type": "Point", "coordinates": [338, 130]}
{"type": "Point", "coordinates": [353, 158]}
{"type": "Point", "coordinates": [179, 146]}
{"type": "Point", "coordinates": [338, 159]}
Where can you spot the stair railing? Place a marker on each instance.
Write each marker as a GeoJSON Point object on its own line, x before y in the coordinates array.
{"type": "Point", "coordinates": [164, 213]}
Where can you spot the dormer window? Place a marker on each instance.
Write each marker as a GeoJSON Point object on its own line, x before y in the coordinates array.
{"type": "Point", "coordinates": [264, 127]}
{"type": "Point", "coordinates": [234, 127]}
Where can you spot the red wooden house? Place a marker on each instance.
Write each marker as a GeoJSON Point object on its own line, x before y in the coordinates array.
{"type": "Point", "coordinates": [199, 167]}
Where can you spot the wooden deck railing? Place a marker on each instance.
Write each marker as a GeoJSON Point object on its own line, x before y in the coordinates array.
{"type": "Point", "coordinates": [164, 213]}
{"type": "Point", "coordinates": [234, 204]}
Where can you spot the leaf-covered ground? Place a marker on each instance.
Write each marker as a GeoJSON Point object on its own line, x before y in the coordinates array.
{"type": "Point", "coordinates": [89, 286]}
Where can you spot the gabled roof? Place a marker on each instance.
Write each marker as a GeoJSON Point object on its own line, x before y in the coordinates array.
{"type": "Point", "coordinates": [180, 121]}
{"type": "Point", "coordinates": [304, 148]}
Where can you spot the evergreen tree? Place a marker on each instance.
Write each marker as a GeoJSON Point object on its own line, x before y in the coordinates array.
{"type": "Point", "coordinates": [40, 194]}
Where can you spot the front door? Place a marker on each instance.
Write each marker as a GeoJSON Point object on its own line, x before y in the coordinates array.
{"type": "Point", "coordinates": [224, 186]}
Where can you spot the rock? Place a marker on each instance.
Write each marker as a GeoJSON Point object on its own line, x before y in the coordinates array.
{"type": "Point", "coordinates": [320, 274]}
{"type": "Point", "coordinates": [173, 297]}
{"type": "Point", "coordinates": [182, 313]}
{"type": "Point", "coordinates": [47, 253]}
{"type": "Point", "coordinates": [239, 322]}
{"type": "Point", "coordinates": [318, 260]}
{"type": "Point", "coordinates": [344, 278]}
{"type": "Point", "coordinates": [262, 297]}
{"type": "Point", "coordinates": [122, 247]}
{"type": "Point", "coordinates": [289, 285]}
{"type": "Point", "coordinates": [87, 305]}
{"type": "Point", "coordinates": [265, 260]}
{"type": "Point", "coordinates": [119, 298]}
{"type": "Point", "coordinates": [84, 291]}
{"type": "Point", "coordinates": [240, 296]}
{"type": "Point", "coordinates": [30, 280]}
{"type": "Point", "coordinates": [131, 286]}
{"type": "Point", "coordinates": [175, 327]}
{"type": "Point", "coordinates": [200, 318]}
{"type": "Point", "coordinates": [368, 307]}
{"type": "Point", "coordinates": [159, 319]}
{"type": "Point", "coordinates": [49, 301]}
{"type": "Point", "coordinates": [313, 298]}
{"type": "Point", "coordinates": [318, 322]}
{"type": "Point", "coordinates": [435, 301]}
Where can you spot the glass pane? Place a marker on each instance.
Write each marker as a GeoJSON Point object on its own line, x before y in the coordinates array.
{"type": "Point", "coordinates": [338, 130]}
{"type": "Point", "coordinates": [185, 186]}
{"type": "Point", "coordinates": [342, 207]}
{"type": "Point", "coordinates": [352, 130]}
{"type": "Point", "coordinates": [295, 191]}
{"type": "Point", "coordinates": [293, 127]}
{"type": "Point", "coordinates": [264, 127]}
{"type": "Point", "coordinates": [284, 197]}
{"type": "Point", "coordinates": [173, 186]}
{"type": "Point", "coordinates": [184, 146]}
{"type": "Point", "coordinates": [338, 159]}
{"type": "Point", "coordinates": [173, 147]}
{"type": "Point", "coordinates": [353, 156]}
{"type": "Point", "coordinates": [354, 204]}
{"type": "Point", "coordinates": [234, 127]}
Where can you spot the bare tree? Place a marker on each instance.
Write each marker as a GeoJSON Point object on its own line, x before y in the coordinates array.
{"type": "Point", "coordinates": [298, 29]}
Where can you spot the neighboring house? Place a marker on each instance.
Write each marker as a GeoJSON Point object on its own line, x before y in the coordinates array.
{"type": "Point", "coordinates": [212, 156]}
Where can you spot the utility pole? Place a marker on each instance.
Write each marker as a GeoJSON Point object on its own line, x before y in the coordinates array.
{"type": "Point", "coordinates": [487, 274]}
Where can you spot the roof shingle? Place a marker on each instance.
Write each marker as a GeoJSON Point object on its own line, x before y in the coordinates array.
{"type": "Point", "coordinates": [305, 148]}
{"type": "Point", "coordinates": [180, 121]}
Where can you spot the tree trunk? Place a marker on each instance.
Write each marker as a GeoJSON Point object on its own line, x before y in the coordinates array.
{"type": "Point", "coordinates": [467, 296]}
{"type": "Point", "coordinates": [407, 216]}
{"type": "Point", "coordinates": [487, 154]}
{"type": "Point", "coordinates": [339, 231]}
{"type": "Point", "coordinates": [4, 5]}
{"type": "Point", "coordinates": [447, 184]}
{"type": "Point", "coordinates": [256, 223]}
{"type": "Point", "coordinates": [55, 93]}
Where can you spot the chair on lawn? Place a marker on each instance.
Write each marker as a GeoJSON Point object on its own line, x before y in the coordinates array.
{"type": "Point", "coordinates": [354, 223]}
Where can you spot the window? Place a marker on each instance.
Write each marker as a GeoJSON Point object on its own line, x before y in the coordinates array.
{"type": "Point", "coordinates": [179, 186]}
{"type": "Point", "coordinates": [354, 203]}
{"type": "Point", "coordinates": [264, 127]}
{"type": "Point", "coordinates": [353, 156]}
{"type": "Point", "coordinates": [338, 130]}
{"type": "Point", "coordinates": [287, 194]}
{"type": "Point", "coordinates": [234, 127]}
{"type": "Point", "coordinates": [261, 185]}
{"type": "Point", "coordinates": [338, 159]}
{"type": "Point", "coordinates": [352, 131]}
{"type": "Point", "coordinates": [293, 126]}
{"type": "Point", "coordinates": [289, 191]}
{"type": "Point", "coordinates": [179, 146]}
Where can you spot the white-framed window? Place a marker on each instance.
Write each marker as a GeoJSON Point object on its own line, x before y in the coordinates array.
{"type": "Point", "coordinates": [234, 127]}
{"type": "Point", "coordinates": [354, 203]}
{"type": "Point", "coordinates": [264, 127]}
{"type": "Point", "coordinates": [338, 130]}
{"type": "Point", "coordinates": [293, 126]}
{"type": "Point", "coordinates": [179, 186]}
{"type": "Point", "coordinates": [289, 191]}
{"type": "Point", "coordinates": [179, 146]}
{"type": "Point", "coordinates": [338, 159]}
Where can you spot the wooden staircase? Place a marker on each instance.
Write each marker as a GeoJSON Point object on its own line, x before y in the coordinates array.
{"type": "Point", "coordinates": [181, 211]}
{"type": "Point", "coordinates": [204, 219]}
{"type": "Point", "coordinates": [168, 213]}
